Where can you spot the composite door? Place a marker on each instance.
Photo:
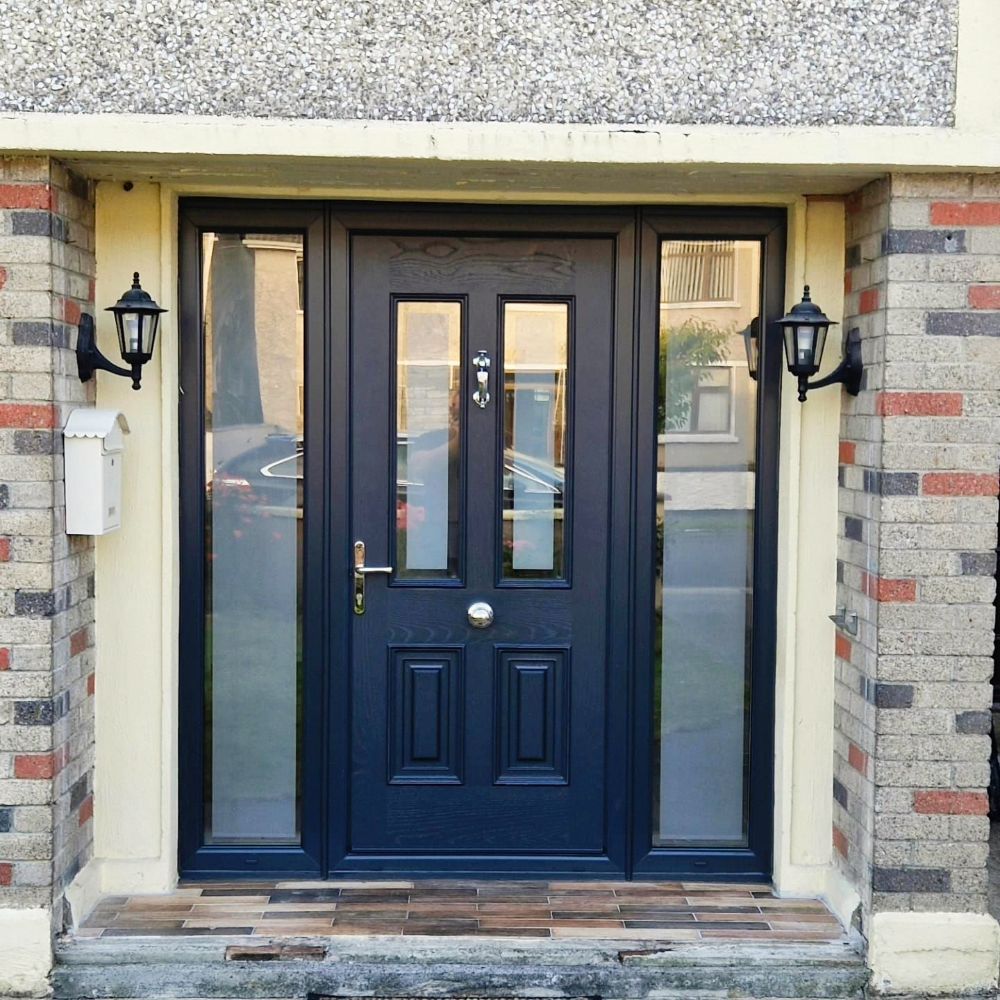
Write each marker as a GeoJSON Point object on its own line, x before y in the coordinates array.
{"type": "Point", "coordinates": [480, 482]}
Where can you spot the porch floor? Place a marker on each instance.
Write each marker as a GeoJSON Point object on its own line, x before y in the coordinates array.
{"type": "Point", "coordinates": [662, 911]}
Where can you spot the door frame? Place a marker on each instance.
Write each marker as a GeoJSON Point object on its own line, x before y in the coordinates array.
{"type": "Point", "coordinates": [768, 226]}
{"type": "Point", "coordinates": [327, 227]}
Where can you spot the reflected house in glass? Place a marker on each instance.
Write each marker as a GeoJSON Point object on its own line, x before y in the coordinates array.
{"type": "Point", "coordinates": [709, 293]}
{"type": "Point", "coordinates": [253, 482]}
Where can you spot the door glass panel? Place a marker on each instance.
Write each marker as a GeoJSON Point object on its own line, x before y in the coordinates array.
{"type": "Point", "coordinates": [706, 469]}
{"type": "Point", "coordinates": [428, 439]}
{"type": "Point", "coordinates": [535, 357]}
{"type": "Point", "coordinates": [253, 325]}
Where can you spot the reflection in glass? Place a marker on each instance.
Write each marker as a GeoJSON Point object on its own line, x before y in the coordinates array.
{"type": "Point", "coordinates": [535, 355]}
{"type": "Point", "coordinates": [706, 468]}
{"type": "Point", "coordinates": [428, 452]}
{"type": "Point", "coordinates": [253, 513]}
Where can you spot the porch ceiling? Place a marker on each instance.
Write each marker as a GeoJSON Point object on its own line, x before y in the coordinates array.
{"type": "Point", "coordinates": [468, 180]}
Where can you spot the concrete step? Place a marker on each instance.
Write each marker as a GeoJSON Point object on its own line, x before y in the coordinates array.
{"type": "Point", "coordinates": [448, 967]}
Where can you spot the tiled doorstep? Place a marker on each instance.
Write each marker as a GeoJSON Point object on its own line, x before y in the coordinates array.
{"type": "Point", "coordinates": [666, 911]}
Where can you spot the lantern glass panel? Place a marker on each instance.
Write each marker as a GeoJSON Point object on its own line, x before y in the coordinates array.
{"type": "Point", "coordinates": [152, 326]}
{"type": "Point", "coordinates": [820, 343]}
{"type": "Point", "coordinates": [132, 332]}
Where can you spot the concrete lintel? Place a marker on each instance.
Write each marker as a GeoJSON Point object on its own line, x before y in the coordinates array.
{"type": "Point", "coordinates": [310, 153]}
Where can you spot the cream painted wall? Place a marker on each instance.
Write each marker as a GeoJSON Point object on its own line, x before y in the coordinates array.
{"type": "Point", "coordinates": [137, 579]}
{"type": "Point", "coordinates": [135, 605]}
{"type": "Point", "coordinates": [807, 519]}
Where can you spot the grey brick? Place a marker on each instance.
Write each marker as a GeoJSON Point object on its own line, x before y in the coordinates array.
{"type": "Point", "coordinates": [892, 483]}
{"type": "Point", "coordinates": [853, 528]}
{"type": "Point", "coordinates": [40, 712]}
{"type": "Point", "coordinates": [852, 257]}
{"type": "Point", "coordinates": [39, 223]}
{"type": "Point", "coordinates": [27, 333]}
{"type": "Point", "coordinates": [868, 689]}
{"type": "Point", "coordinates": [35, 603]}
{"type": "Point", "coordinates": [978, 563]}
{"type": "Point", "coordinates": [923, 241]}
{"type": "Point", "coordinates": [77, 793]}
{"type": "Point", "coordinates": [34, 442]}
{"type": "Point", "coordinates": [6, 819]}
{"type": "Point", "coordinates": [839, 793]}
{"type": "Point", "coordinates": [894, 695]}
{"type": "Point", "coordinates": [4, 496]}
{"type": "Point", "coordinates": [910, 879]}
{"type": "Point", "coordinates": [963, 324]}
{"type": "Point", "coordinates": [973, 722]}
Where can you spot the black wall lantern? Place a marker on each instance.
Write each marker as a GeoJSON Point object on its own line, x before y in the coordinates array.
{"type": "Point", "coordinates": [805, 329]}
{"type": "Point", "coordinates": [751, 342]}
{"type": "Point", "coordinates": [137, 318]}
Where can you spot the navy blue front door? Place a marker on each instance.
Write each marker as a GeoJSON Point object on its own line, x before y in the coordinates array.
{"type": "Point", "coordinates": [481, 479]}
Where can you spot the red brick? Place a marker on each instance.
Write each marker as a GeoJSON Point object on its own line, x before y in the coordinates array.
{"type": "Point", "coordinates": [951, 803]}
{"type": "Point", "coordinates": [71, 311]}
{"type": "Point", "coordinates": [78, 641]}
{"type": "Point", "coordinates": [6, 874]}
{"type": "Point", "coordinates": [4, 550]}
{"type": "Point", "coordinates": [25, 196]}
{"type": "Point", "coordinates": [960, 484]}
{"type": "Point", "coordinates": [868, 301]}
{"type": "Point", "coordinates": [857, 758]}
{"type": "Point", "coordinates": [91, 683]}
{"type": "Point", "coordinates": [842, 647]}
{"type": "Point", "coordinates": [3, 276]}
{"type": "Point", "coordinates": [891, 591]}
{"type": "Point", "coordinates": [853, 203]}
{"type": "Point", "coordinates": [86, 809]}
{"type": "Point", "coordinates": [965, 213]}
{"type": "Point", "coordinates": [35, 765]}
{"type": "Point", "coordinates": [984, 296]}
{"type": "Point", "coordinates": [848, 282]}
{"type": "Point", "coordinates": [32, 415]}
{"type": "Point", "coordinates": [848, 449]}
{"type": "Point", "coordinates": [840, 841]}
{"type": "Point", "coordinates": [920, 404]}
{"type": "Point", "coordinates": [4, 659]}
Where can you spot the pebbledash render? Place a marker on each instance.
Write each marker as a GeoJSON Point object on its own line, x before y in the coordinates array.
{"type": "Point", "coordinates": [869, 131]}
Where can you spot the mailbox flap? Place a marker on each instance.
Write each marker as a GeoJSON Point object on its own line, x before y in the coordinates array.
{"type": "Point", "coordinates": [110, 426]}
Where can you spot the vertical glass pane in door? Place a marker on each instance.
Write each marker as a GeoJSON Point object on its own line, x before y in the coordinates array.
{"type": "Point", "coordinates": [705, 486]}
{"type": "Point", "coordinates": [253, 321]}
{"type": "Point", "coordinates": [535, 359]}
{"type": "Point", "coordinates": [428, 439]}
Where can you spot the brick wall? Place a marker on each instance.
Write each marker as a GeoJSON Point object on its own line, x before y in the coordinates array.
{"type": "Point", "coordinates": [920, 455]}
{"type": "Point", "coordinates": [46, 577]}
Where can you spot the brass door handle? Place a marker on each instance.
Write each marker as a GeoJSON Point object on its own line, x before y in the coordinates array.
{"type": "Point", "coordinates": [360, 572]}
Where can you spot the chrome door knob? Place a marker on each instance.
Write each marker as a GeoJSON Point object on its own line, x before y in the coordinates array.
{"type": "Point", "coordinates": [480, 615]}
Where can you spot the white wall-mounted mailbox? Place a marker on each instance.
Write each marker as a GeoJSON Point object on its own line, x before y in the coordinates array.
{"type": "Point", "coordinates": [94, 445]}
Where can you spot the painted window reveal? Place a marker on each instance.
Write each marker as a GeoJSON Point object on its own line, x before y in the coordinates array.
{"type": "Point", "coordinates": [254, 438]}
{"type": "Point", "coordinates": [428, 439]}
{"type": "Point", "coordinates": [705, 498]}
{"type": "Point", "coordinates": [535, 370]}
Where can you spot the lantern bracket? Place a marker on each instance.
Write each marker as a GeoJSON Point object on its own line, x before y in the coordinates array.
{"type": "Point", "coordinates": [89, 359]}
{"type": "Point", "coordinates": [848, 372]}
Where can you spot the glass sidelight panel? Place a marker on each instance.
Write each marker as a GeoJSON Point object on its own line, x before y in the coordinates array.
{"type": "Point", "coordinates": [253, 322]}
{"type": "Point", "coordinates": [428, 439]}
{"type": "Point", "coordinates": [535, 366]}
{"type": "Point", "coordinates": [710, 293]}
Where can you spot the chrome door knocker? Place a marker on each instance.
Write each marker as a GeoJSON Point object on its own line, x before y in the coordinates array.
{"type": "Point", "coordinates": [482, 365]}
